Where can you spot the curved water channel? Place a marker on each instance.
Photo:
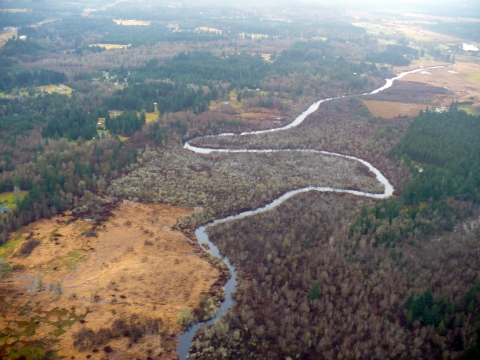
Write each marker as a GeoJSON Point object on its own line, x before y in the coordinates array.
{"type": "Point", "coordinates": [185, 340]}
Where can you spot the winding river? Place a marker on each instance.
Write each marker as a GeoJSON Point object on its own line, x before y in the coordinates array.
{"type": "Point", "coordinates": [185, 339]}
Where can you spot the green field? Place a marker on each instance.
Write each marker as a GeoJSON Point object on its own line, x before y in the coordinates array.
{"type": "Point", "coordinates": [469, 110]}
{"type": "Point", "coordinates": [8, 199]}
{"type": "Point", "coordinates": [60, 89]}
{"type": "Point", "coordinates": [473, 76]}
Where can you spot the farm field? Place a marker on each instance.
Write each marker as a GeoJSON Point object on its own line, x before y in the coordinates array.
{"type": "Point", "coordinates": [209, 29]}
{"type": "Point", "coordinates": [390, 109]}
{"type": "Point", "coordinates": [136, 269]}
{"type": "Point", "coordinates": [374, 29]}
{"type": "Point", "coordinates": [60, 89]}
{"type": "Point", "coordinates": [419, 34]}
{"type": "Point", "coordinates": [6, 35]}
{"type": "Point", "coordinates": [426, 61]}
{"type": "Point", "coordinates": [111, 46]}
{"type": "Point", "coordinates": [469, 110]}
{"type": "Point", "coordinates": [132, 22]}
{"type": "Point", "coordinates": [456, 79]}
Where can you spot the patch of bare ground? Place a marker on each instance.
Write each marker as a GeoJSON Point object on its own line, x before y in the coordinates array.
{"type": "Point", "coordinates": [391, 109]}
{"type": "Point", "coordinates": [89, 287]}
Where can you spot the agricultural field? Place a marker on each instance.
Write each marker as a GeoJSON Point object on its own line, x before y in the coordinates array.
{"type": "Point", "coordinates": [13, 11]}
{"type": "Point", "coordinates": [419, 34]}
{"type": "Point", "coordinates": [111, 46]}
{"type": "Point", "coordinates": [132, 22]}
{"type": "Point", "coordinates": [60, 89]}
{"type": "Point", "coordinates": [7, 35]}
{"type": "Point", "coordinates": [374, 29]}
{"type": "Point", "coordinates": [78, 276]}
{"type": "Point", "coordinates": [458, 79]}
{"type": "Point", "coordinates": [425, 61]}
{"type": "Point", "coordinates": [209, 29]}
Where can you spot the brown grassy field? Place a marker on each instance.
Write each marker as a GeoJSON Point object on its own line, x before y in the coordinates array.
{"type": "Point", "coordinates": [6, 35]}
{"type": "Point", "coordinates": [459, 79]}
{"type": "Point", "coordinates": [111, 46]}
{"type": "Point", "coordinates": [390, 109]}
{"type": "Point", "coordinates": [272, 116]}
{"type": "Point", "coordinates": [134, 266]}
{"type": "Point", "coordinates": [419, 34]}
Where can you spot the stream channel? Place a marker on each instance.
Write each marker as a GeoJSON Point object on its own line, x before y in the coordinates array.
{"type": "Point", "coordinates": [185, 340]}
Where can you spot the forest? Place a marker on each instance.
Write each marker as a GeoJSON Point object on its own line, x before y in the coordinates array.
{"type": "Point", "coordinates": [442, 154]}
{"type": "Point", "coordinates": [398, 55]}
{"type": "Point", "coordinates": [322, 275]}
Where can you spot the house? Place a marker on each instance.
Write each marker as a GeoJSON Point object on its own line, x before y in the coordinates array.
{"type": "Point", "coordinates": [3, 209]}
{"type": "Point", "coordinates": [469, 47]}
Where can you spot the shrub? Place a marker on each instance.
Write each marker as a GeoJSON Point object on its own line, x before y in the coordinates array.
{"type": "Point", "coordinates": [28, 246]}
{"type": "Point", "coordinates": [185, 316]}
{"type": "Point", "coordinates": [5, 269]}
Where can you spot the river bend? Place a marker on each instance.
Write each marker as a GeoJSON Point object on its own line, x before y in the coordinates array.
{"type": "Point", "coordinates": [185, 339]}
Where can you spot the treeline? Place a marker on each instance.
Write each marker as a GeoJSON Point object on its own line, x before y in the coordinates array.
{"type": "Point", "coordinates": [463, 30]}
{"type": "Point", "coordinates": [168, 96]}
{"type": "Point", "coordinates": [398, 55]}
{"type": "Point", "coordinates": [20, 48]}
{"type": "Point", "coordinates": [55, 114]}
{"type": "Point", "coordinates": [201, 68]}
{"type": "Point", "coordinates": [446, 146]}
{"type": "Point", "coordinates": [126, 123]}
{"type": "Point", "coordinates": [71, 123]}
{"type": "Point", "coordinates": [189, 82]}
{"type": "Point", "coordinates": [316, 57]}
{"type": "Point", "coordinates": [444, 316]}
{"type": "Point", "coordinates": [24, 78]}
{"type": "Point", "coordinates": [57, 175]}
{"type": "Point", "coordinates": [17, 19]}
{"type": "Point", "coordinates": [442, 152]}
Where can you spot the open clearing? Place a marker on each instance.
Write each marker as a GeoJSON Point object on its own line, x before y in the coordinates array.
{"type": "Point", "coordinates": [374, 29]}
{"type": "Point", "coordinates": [7, 35]}
{"type": "Point", "coordinates": [271, 116]}
{"type": "Point", "coordinates": [136, 265]}
{"type": "Point", "coordinates": [132, 22]}
{"type": "Point", "coordinates": [60, 89]}
{"type": "Point", "coordinates": [390, 109]}
{"type": "Point", "coordinates": [209, 29]}
{"type": "Point", "coordinates": [14, 10]}
{"type": "Point", "coordinates": [149, 117]}
{"type": "Point", "coordinates": [408, 30]}
{"type": "Point", "coordinates": [455, 78]}
{"type": "Point", "coordinates": [8, 198]}
{"type": "Point", "coordinates": [432, 88]}
{"type": "Point", "coordinates": [111, 46]}
{"type": "Point", "coordinates": [420, 34]}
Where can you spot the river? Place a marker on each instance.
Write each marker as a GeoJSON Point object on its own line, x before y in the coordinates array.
{"type": "Point", "coordinates": [185, 339]}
